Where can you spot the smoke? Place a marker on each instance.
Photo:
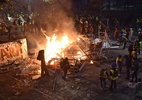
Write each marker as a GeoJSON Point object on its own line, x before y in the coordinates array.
{"type": "Point", "coordinates": [57, 18]}
{"type": "Point", "coordinates": [60, 18]}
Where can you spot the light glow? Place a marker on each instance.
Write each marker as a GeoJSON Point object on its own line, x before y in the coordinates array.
{"type": "Point", "coordinates": [55, 47]}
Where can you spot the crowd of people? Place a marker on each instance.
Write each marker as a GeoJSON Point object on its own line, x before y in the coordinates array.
{"type": "Point", "coordinates": [86, 23]}
{"type": "Point", "coordinates": [131, 61]}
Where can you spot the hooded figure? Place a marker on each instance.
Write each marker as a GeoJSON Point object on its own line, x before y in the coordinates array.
{"type": "Point", "coordinates": [40, 57]}
{"type": "Point", "coordinates": [66, 67]}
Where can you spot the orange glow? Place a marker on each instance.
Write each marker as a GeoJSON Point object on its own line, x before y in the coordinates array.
{"type": "Point", "coordinates": [61, 47]}
{"type": "Point", "coordinates": [39, 71]}
{"type": "Point", "coordinates": [91, 62]}
{"type": "Point", "coordinates": [55, 47]}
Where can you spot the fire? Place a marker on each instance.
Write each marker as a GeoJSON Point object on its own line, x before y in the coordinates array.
{"type": "Point", "coordinates": [55, 47]}
{"type": "Point", "coordinates": [91, 62]}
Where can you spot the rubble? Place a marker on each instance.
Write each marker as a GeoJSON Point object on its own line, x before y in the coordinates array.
{"type": "Point", "coordinates": [80, 85]}
{"type": "Point", "coordinates": [88, 95]}
{"type": "Point", "coordinates": [83, 84]}
{"type": "Point", "coordinates": [83, 65]}
{"type": "Point", "coordinates": [77, 80]}
{"type": "Point", "coordinates": [36, 77]}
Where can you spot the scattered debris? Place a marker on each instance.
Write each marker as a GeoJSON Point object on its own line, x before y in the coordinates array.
{"type": "Point", "coordinates": [36, 77]}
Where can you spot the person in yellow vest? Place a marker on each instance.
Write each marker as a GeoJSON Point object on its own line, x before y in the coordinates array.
{"type": "Point", "coordinates": [113, 78]}
{"type": "Point", "coordinates": [119, 64]}
{"type": "Point", "coordinates": [103, 76]}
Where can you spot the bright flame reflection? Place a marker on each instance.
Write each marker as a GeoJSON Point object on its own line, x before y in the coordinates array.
{"type": "Point", "coordinates": [54, 47]}
{"type": "Point", "coordinates": [91, 62]}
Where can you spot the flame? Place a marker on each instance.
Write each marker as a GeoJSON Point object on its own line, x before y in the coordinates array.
{"type": "Point", "coordinates": [54, 47]}
{"type": "Point", "coordinates": [91, 62]}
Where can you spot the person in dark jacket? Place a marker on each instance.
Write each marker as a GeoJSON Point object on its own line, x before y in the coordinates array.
{"type": "Point", "coordinates": [41, 57]}
{"type": "Point", "coordinates": [128, 63]}
{"type": "Point", "coordinates": [66, 67]}
{"type": "Point", "coordinates": [124, 42]}
{"type": "Point", "coordinates": [137, 45]}
{"type": "Point", "coordinates": [135, 69]}
{"type": "Point", "coordinates": [130, 49]}
{"type": "Point", "coordinates": [61, 63]}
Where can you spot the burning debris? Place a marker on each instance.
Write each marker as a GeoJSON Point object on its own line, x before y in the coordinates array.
{"type": "Point", "coordinates": [75, 51]}
{"type": "Point", "coordinates": [80, 51]}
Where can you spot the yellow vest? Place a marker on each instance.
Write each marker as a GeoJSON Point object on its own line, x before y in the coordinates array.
{"type": "Point", "coordinates": [112, 77]}
{"type": "Point", "coordinates": [118, 59]}
{"type": "Point", "coordinates": [104, 74]}
{"type": "Point", "coordinates": [99, 27]}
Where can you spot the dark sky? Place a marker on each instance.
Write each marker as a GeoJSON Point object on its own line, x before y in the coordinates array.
{"type": "Point", "coordinates": [80, 3]}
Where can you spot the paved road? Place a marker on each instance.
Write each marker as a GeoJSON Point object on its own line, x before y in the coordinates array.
{"type": "Point", "coordinates": [83, 85]}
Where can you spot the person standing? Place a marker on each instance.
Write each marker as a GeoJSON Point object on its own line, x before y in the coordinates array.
{"type": "Point", "coordinates": [103, 76]}
{"type": "Point", "coordinates": [66, 67]}
{"type": "Point", "coordinates": [137, 45]}
{"type": "Point", "coordinates": [119, 64]}
{"type": "Point", "coordinates": [130, 34]}
{"type": "Point", "coordinates": [124, 38]}
{"type": "Point", "coordinates": [91, 29]}
{"type": "Point", "coordinates": [128, 63]}
{"type": "Point", "coordinates": [113, 78]}
{"type": "Point", "coordinates": [41, 57]}
{"type": "Point", "coordinates": [61, 63]}
{"type": "Point", "coordinates": [135, 72]}
{"type": "Point", "coordinates": [130, 49]}
{"type": "Point", "coordinates": [124, 43]}
{"type": "Point", "coordinates": [134, 55]}
{"type": "Point", "coordinates": [135, 67]}
{"type": "Point", "coordinates": [115, 33]}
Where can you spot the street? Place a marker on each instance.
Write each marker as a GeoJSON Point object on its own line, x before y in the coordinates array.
{"type": "Point", "coordinates": [83, 85]}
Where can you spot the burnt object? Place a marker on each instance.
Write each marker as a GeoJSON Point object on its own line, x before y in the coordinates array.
{"type": "Point", "coordinates": [40, 55]}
